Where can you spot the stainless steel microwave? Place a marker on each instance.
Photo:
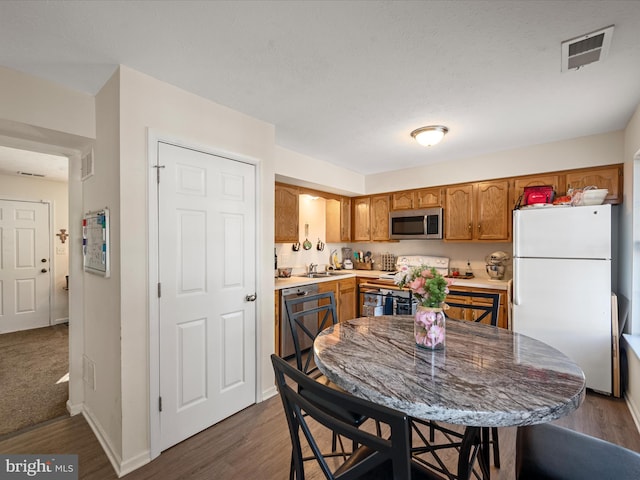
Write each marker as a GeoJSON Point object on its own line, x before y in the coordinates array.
{"type": "Point", "coordinates": [407, 224]}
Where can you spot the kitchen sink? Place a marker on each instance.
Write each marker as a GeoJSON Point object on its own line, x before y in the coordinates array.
{"type": "Point", "coordinates": [330, 273]}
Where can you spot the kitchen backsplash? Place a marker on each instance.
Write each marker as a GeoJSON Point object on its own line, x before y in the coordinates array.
{"type": "Point", "coordinates": [458, 253]}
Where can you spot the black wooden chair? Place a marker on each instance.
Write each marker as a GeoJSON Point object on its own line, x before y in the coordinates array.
{"type": "Point", "coordinates": [551, 452]}
{"type": "Point", "coordinates": [485, 310]}
{"type": "Point", "coordinates": [376, 458]}
{"type": "Point", "coordinates": [308, 315]}
{"type": "Point", "coordinates": [488, 309]}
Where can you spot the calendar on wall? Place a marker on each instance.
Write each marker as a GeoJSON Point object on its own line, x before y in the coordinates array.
{"type": "Point", "coordinates": [95, 242]}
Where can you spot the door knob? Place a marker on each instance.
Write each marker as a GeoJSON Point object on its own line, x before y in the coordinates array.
{"type": "Point", "coordinates": [44, 270]}
{"type": "Point", "coordinates": [251, 298]}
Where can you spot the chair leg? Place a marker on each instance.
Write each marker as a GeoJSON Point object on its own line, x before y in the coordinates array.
{"type": "Point", "coordinates": [291, 469]}
{"type": "Point", "coordinates": [496, 447]}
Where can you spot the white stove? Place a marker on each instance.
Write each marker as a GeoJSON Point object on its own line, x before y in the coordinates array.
{"type": "Point", "coordinates": [407, 262]}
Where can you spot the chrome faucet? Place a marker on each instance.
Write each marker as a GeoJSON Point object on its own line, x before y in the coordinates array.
{"type": "Point", "coordinates": [313, 267]}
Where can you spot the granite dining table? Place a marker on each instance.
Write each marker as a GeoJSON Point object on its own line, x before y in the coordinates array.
{"type": "Point", "coordinates": [484, 377]}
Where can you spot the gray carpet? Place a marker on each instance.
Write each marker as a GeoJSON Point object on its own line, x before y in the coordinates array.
{"type": "Point", "coordinates": [31, 364]}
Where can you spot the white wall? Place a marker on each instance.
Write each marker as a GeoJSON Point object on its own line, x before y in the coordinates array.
{"type": "Point", "coordinates": [102, 310]}
{"type": "Point", "coordinates": [35, 102]}
{"type": "Point", "coordinates": [297, 169]}
{"type": "Point", "coordinates": [580, 152]}
{"type": "Point", "coordinates": [148, 103]}
{"type": "Point", "coordinates": [36, 189]}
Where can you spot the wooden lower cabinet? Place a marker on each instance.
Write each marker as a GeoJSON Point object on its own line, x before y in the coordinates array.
{"type": "Point", "coordinates": [470, 314]}
{"type": "Point", "coordinates": [347, 299]}
{"type": "Point", "coordinates": [344, 291]}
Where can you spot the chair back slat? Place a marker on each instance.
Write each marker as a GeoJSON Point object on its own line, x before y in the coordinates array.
{"type": "Point", "coordinates": [313, 404]}
{"type": "Point", "coordinates": [486, 310]}
{"type": "Point", "coordinates": [322, 307]}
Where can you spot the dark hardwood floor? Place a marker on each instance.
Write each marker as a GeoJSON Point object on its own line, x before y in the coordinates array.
{"type": "Point", "coordinates": [254, 444]}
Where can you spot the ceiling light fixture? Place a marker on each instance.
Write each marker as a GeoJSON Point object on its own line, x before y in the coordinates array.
{"type": "Point", "coordinates": [430, 135]}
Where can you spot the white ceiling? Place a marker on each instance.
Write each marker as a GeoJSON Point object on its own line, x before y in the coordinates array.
{"type": "Point", "coordinates": [347, 81]}
{"type": "Point", "coordinates": [29, 164]}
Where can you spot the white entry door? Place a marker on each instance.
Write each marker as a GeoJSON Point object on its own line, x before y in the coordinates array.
{"type": "Point", "coordinates": [24, 265]}
{"type": "Point", "coordinates": [207, 278]}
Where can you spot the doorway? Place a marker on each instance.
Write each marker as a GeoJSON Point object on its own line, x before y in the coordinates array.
{"type": "Point", "coordinates": [206, 271]}
{"type": "Point", "coordinates": [34, 310]}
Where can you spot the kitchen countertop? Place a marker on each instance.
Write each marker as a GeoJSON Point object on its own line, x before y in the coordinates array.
{"type": "Point", "coordinates": [480, 281]}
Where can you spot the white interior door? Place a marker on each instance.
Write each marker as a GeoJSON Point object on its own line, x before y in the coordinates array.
{"type": "Point", "coordinates": [24, 265]}
{"type": "Point", "coordinates": [206, 269]}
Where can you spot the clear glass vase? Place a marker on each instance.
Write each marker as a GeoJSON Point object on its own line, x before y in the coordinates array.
{"type": "Point", "coordinates": [429, 327]}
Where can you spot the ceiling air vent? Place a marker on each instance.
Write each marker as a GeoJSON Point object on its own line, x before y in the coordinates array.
{"type": "Point", "coordinates": [586, 49]}
{"type": "Point", "coordinates": [29, 174]}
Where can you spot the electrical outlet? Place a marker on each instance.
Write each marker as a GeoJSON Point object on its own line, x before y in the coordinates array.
{"type": "Point", "coordinates": [60, 250]}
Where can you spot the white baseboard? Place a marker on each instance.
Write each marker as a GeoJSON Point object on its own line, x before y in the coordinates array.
{"type": "Point", "coordinates": [635, 414]}
{"type": "Point", "coordinates": [134, 463]}
{"type": "Point", "coordinates": [112, 455]}
{"type": "Point", "coordinates": [74, 409]}
{"type": "Point", "coordinates": [58, 321]}
{"type": "Point", "coordinates": [268, 393]}
{"type": "Point", "coordinates": [121, 468]}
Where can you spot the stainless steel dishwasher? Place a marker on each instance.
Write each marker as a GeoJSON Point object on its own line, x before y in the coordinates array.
{"type": "Point", "coordinates": [287, 348]}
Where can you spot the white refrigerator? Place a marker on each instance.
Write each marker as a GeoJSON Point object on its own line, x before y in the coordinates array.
{"type": "Point", "coordinates": [562, 284]}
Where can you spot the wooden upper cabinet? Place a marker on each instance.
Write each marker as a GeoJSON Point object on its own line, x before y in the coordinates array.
{"type": "Point", "coordinates": [402, 200]}
{"type": "Point", "coordinates": [428, 197]}
{"type": "Point", "coordinates": [345, 219]}
{"type": "Point", "coordinates": [603, 177]}
{"type": "Point", "coordinates": [478, 212]}
{"type": "Point", "coordinates": [380, 218]}
{"type": "Point", "coordinates": [413, 199]}
{"type": "Point", "coordinates": [535, 181]}
{"type": "Point", "coordinates": [370, 218]}
{"type": "Point", "coordinates": [286, 213]}
{"type": "Point", "coordinates": [458, 213]}
{"type": "Point", "coordinates": [493, 219]}
{"type": "Point", "coordinates": [361, 231]}
{"type": "Point", "coordinates": [338, 220]}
